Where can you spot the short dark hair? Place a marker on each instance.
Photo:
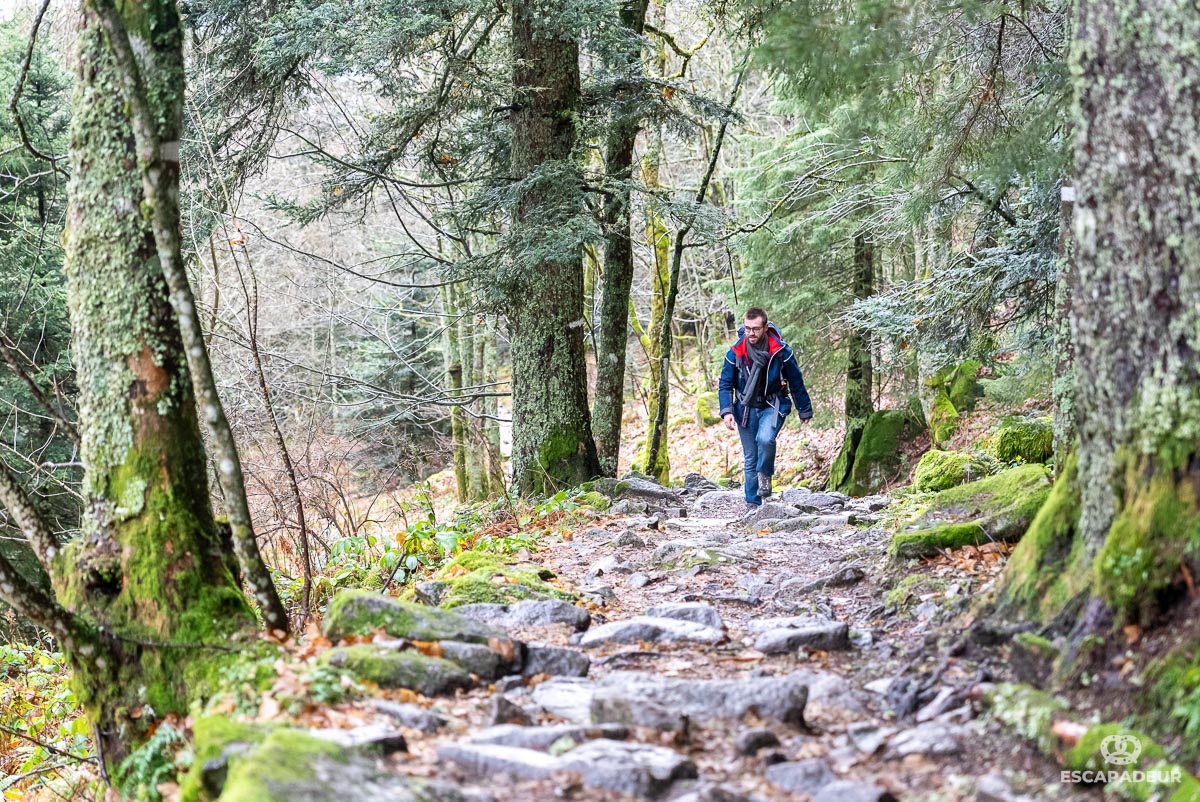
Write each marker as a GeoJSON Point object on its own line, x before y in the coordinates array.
{"type": "Point", "coordinates": [755, 313]}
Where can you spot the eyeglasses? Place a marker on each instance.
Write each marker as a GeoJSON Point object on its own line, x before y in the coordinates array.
{"type": "Point", "coordinates": [755, 329]}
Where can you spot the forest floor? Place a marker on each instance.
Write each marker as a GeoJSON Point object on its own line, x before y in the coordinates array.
{"type": "Point", "coordinates": [729, 655]}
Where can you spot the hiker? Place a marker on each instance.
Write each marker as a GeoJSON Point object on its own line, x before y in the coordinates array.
{"type": "Point", "coordinates": [758, 373]}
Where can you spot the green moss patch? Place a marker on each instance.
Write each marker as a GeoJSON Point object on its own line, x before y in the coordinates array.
{"type": "Point", "coordinates": [362, 612]}
{"type": "Point", "coordinates": [1023, 440]}
{"type": "Point", "coordinates": [707, 406]}
{"type": "Point", "coordinates": [963, 387]}
{"type": "Point", "coordinates": [943, 420]}
{"type": "Point", "coordinates": [995, 508]}
{"type": "Point", "coordinates": [941, 470]}
{"type": "Point", "coordinates": [478, 578]}
{"type": "Point", "coordinates": [284, 767]}
{"type": "Point", "coordinates": [211, 737]}
{"type": "Point", "coordinates": [395, 668]}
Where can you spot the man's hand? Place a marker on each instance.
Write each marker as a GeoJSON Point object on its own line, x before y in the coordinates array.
{"type": "Point", "coordinates": [729, 424]}
{"type": "Point", "coordinates": [803, 422]}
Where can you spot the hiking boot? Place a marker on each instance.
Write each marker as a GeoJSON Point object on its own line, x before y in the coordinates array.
{"type": "Point", "coordinates": [764, 486]}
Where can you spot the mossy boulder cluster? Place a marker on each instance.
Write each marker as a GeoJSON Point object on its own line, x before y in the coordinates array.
{"type": "Point", "coordinates": [955, 390]}
{"type": "Point", "coordinates": [941, 470]}
{"type": "Point", "coordinates": [873, 453]}
{"type": "Point", "coordinates": [995, 508]}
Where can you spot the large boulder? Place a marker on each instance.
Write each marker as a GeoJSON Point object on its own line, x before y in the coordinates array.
{"type": "Point", "coordinates": [879, 455]}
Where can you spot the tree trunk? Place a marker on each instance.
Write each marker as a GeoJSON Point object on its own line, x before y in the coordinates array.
{"type": "Point", "coordinates": [552, 428]}
{"type": "Point", "coordinates": [454, 378]}
{"type": "Point", "coordinates": [860, 401]}
{"type": "Point", "coordinates": [151, 565]}
{"type": "Point", "coordinates": [618, 259]}
{"type": "Point", "coordinates": [1122, 527]}
{"type": "Point", "coordinates": [1064, 346]}
{"type": "Point", "coordinates": [477, 452]}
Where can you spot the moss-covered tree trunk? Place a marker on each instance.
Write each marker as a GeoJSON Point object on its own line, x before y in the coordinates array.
{"type": "Point", "coordinates": [1129, 520]}
{"type": "Point", "coordinates": [150, 566]}
{"type": "Point", "coordinates": [860, 383]}
{"type": "Point", "coordinates": [552, 427]}
{"type": "Point", "coordinates": [618, 255]}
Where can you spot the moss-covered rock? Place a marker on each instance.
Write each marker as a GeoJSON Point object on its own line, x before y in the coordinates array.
{"type": "Point", "coordinates": [478, 578]}
{"type": "Point", "coordinates": [943, 420]}
{"type": "Point", "coordinates": [284, 762]}
{"type": "Point", "coordinates": [839, 471]}
{"type": "Point", "coordinates": [214, 739]}
{"type": "Point", "coordinates": [963, 387]}
{"type": "Point", "coordinates": [361, 612]}
{"type": "Point", "coordinates": [999, 507]}
{"type": "Point", "coordinates": [928, 542]}
{"type": "Point", "coordinates": [394, 668]}
{"type": "Point", "coordinates": [879, 455]}
{"type": "Point", "coordinates": [941, 470]}
{"type": "Point", "coordinates": [1023, 440]}
{"type": "Point", "coordinates": [707, 407]}
{"type": "Point", "coordinates": [1032, 658]}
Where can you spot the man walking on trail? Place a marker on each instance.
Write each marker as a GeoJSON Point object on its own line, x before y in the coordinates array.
{"type": "Point", "coordinates": [759, 373]}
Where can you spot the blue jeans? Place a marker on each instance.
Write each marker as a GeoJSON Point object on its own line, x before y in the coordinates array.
{"type": "Point", "coordinates": [758, 445]}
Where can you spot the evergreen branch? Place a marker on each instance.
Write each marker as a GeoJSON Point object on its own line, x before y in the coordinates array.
{"type": "Point", "coordinates": [13, 101]}
{"type": "Point", "coordinates": [160, 187]}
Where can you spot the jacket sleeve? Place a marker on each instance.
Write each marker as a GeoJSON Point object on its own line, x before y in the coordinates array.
{"type": "Point", "coordinates": [726, 385]}
{"type": "Point", "coordinates": [795, 380]}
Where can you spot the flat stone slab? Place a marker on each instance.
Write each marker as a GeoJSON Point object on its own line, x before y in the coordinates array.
{"type": "Point", "coordinates": [529, 613]}
{"type": "Point", "coordinates": [830, 636]}
{"type": "Point", "coordinates": [557, 661]}
{"type": "Point", "coordinates": [546, 736]}
{"type": "Point", "coordinates": [410, 715]}
{"type": "Point", "coordinates": [850, 791]}
{"type": "Point", "coordinates": [760, 625]}
{"type": "Point", "coordinates": [801, 776]}
{"type": "Point", "coordinates": [377, 738]}
{"type": "Point", "coordinates": [651, 629]}
{"type": "Point", "coordinates": [810, 502]}
{"type": "Point", "coordinates": [771, 510]}
{"type": "Point", "coordinates": [696, 612]}
{"type": "Point", "coordinates": [642, 770]}
{"type": "Point", "coordinates": [932, 738]}
{"type": "Point", "coordinates": [485, 760]}
{"type": "Point", "coordinates": [567, 698]}
{"type": "Point", "coordinates": [623, 697]}
{"type": "Point", "coordinates": [720, 499]}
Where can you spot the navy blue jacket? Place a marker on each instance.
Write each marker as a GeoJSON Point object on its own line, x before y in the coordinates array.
{"type": "Point", "coordinates": [783, 377]}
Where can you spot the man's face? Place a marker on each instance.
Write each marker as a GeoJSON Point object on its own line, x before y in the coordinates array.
{"type": "Point", "coordinates": [756, 329]}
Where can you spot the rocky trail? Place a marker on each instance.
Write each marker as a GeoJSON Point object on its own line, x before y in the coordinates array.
{"type": "Point", "coordinates": [721, 655]}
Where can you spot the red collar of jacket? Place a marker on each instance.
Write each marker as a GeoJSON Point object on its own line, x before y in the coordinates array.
{"type": "Point", "coordinates": [774, 345]}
